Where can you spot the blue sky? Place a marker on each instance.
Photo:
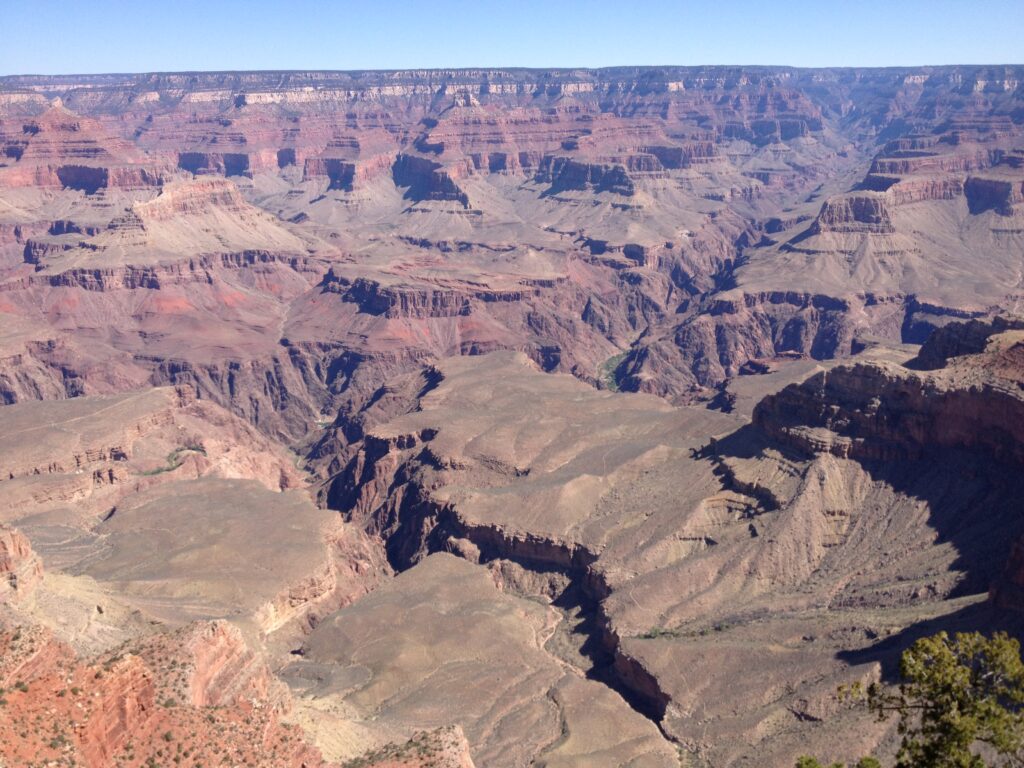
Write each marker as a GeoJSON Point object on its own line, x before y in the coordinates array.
{"type": "Point", "coordinates": [85, 36]}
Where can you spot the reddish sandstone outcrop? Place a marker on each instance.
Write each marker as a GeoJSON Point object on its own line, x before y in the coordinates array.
{"type": "Point", "coordinates": [20, 569]}
{"type": "Point", "coordinates": [121, 708]}
{"type": "Point", "coordinates": [65, 150]}
{"type": "Point", "coordinates": [656, 142]}
{"type": "Point", "coordinates": [622, 225]}
{"type": "Point", "coordinates": [192, 198]}
{"type": "Point", "coordinates": [426, 180]}
{"type": "Point", "coordinates": [564, 173]}
{"type": "Point", "coordinates": [916, 190]}
{"type": "Point", "coordinates": [931, 163]}
{"type": "Point", "coordinates": [346, 174]}
{"type": "Point", "coordinates": [223, 670]}
{"type": "Point", "coordinates": [124, 707]}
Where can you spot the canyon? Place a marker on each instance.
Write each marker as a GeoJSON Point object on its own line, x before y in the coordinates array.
{"type": "Point", "coordinates": [500, 417]}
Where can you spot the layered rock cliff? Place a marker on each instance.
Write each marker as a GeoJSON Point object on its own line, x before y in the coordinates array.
{"type": "Point", "coordinates": [876, 411]}
{"type": "Point", "coordinates": [963, 395]}
{"type": "Point", "coordinates": [20, 568]}
{"type": "Point", "coordinates": [317, 262]}
{"type": "Point", "coordinates": [698, 182]}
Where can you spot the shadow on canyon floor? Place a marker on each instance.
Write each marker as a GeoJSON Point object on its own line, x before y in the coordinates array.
{"type": "Point", "coordinates": [980, 617]}
{"type": "Point", "coordinates": [974, 505]}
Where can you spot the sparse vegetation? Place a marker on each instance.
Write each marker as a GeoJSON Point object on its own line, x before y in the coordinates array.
{"type": "Point", "coordinates": [175, 459]}
{"type": "Point", "coordinates": [607, 374]}
{"type": "Point", "coordinates": [426, 746]}
{"type": "Point", "coordinates": [960, 704]}
{"type": "Point", "coordinates": [864, 762]}
{"type": "Point", "coordinates": [655, 632]}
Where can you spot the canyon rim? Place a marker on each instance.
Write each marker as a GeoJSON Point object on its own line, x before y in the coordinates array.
{"type": "Point", "coordinates": [501, 417]}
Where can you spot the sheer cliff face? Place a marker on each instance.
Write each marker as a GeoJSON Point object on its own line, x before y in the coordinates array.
{"type": "Point", "coordinates": [653, 228]}
{"type": "Point", "coordinates": [960, 407]}
{"type": "Point", "coordinates": [731, 574]}
{"type": "Point", "coordinates": [20, 569]}
{"type": "Point", "coordinates": [527, 417]}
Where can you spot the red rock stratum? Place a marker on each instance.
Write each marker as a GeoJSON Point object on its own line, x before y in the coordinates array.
{"type": "Point", "coordinates": [500, 417]}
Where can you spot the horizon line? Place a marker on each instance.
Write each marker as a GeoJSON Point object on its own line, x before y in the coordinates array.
{"type": "Point", "coordinates": [398, 70]}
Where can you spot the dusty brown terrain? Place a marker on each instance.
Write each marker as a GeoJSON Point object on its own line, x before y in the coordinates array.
{"type": "Point", "coordinates": [556, 418]}
{"type": "Point", "coordinates": [726, 575]}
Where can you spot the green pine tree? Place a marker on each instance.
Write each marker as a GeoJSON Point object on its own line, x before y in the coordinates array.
{"type": "Point", "coordinates": [958, 699]}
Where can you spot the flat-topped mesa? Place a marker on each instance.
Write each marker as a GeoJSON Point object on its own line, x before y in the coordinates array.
{"type": "Point", "coordinates": [683, 156]}
{"type": "Point", "coordinates": [909, 145]}
{"type": "Point", "coordinates": [766, 131]}
{"type": "Point", "coordinates": [190, 198]}
{"type": "Point", "coordinates": [196, 270]}
{"type": "Point", "coordinates": [100, 441]}
{"type": "Point", "coordinates": [36, 251]}
{"type": "Point", "coordinates": [59, 149]}
{"type": "Point", "coordinates": [426, 180]}
{"type": "Point", "coordinates": [340, 173]}
{"type": "Point", "coordinates": [913, 162]}
{"type": "Point", "coordinates": [346, 174]}
{"type": "Point", "coordinates": [82, 177]}
{"type": "Point", "coordinates": [917, 189]}
{"type": "Point", "coordinates": [964, 157]}
{"type": "Point", "coordinates": [401, 301]}
{"type": "Point", "coordinates": [223, 163]}
{"type": "Point", "coordinates": [1000, 193]}
{"type": "Point", "coordinates": [20, 568]}
{"type": "Point", "coordinates": [626, 255]}
{"type": "Point", "coordinates": [58, 135]}
{"type": "Point", "coordinates": [189, 218]}
{"type": "Point", "coordinates": [856, 212]}
{"type": "Point", "coordinates": [86, 454]}
{"type": "Point", "coordinates": [564, 173]}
